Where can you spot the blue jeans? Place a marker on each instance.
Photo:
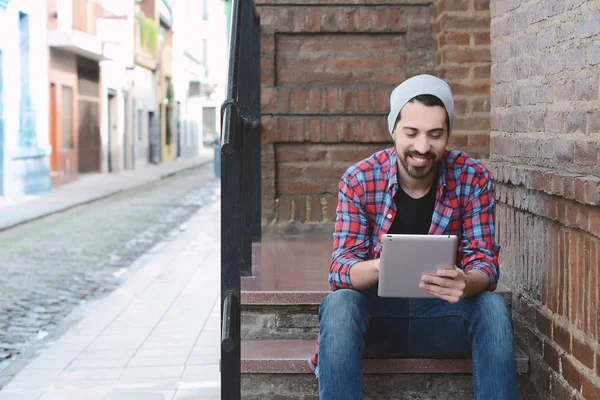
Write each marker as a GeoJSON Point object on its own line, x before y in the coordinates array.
{"type": "Point", "coordinates": [354, 324]}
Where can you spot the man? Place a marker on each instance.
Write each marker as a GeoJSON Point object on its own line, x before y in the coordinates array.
{"type": "Point", "coordinates": [417, 187]}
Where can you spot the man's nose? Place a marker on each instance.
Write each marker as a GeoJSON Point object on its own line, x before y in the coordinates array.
{"type": "Point", "coordinates": [422, 144]}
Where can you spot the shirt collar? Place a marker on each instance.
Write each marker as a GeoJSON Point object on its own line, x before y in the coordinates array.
{"type": "Point", "coordinates": [392, 174]}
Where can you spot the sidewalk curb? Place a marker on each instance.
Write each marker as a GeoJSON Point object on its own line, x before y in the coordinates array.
{"type": "Point", "coordinates": [134, 186]}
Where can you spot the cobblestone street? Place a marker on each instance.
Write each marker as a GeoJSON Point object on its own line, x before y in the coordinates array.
{"type": "Point", "coordinates": [50, 266]}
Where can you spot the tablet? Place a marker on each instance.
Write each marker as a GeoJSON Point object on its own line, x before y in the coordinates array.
{"type": "Point", "coordinates": [406, 258]}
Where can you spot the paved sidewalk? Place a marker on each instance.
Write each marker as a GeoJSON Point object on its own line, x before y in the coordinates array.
{"type": "Point", "coordinates": [156, 337]}
{"type": "Point", "coordinates": [90, 187]}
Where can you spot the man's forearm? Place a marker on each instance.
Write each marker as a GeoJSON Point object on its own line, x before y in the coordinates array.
{"type": "Point", "coordinates": [364, 274]}
{"type": "Point", "coordinates": [477, 282]}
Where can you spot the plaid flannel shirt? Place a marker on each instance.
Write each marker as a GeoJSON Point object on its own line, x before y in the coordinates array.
{"type": "Point", "coordinates": [366, 209]}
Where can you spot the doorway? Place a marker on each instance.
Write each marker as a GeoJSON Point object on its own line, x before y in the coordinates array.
{"type": "Point", "coordinates": [112, 114]}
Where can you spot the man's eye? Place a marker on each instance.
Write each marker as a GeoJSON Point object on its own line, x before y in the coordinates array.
{"type": "Point", "coordinates": [411, 134]}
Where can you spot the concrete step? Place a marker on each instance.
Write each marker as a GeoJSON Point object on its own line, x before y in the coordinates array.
{"type": "Point", "coordinates": [277, 369]}
{"type": "Point", "coordinates": [290, 314]}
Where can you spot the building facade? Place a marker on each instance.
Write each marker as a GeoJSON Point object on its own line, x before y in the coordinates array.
{"type": "Point", "coordinates": [24, 150]}
{"type": "Point", "coordinates": [189, 72]}
{"type": "Point", "coordinates": [154, 106]}
{"type": "Point", "coordinates": [76, 103]}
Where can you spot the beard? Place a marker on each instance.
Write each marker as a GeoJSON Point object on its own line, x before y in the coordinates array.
{"type": "Point", "coordinates": [419, 172]}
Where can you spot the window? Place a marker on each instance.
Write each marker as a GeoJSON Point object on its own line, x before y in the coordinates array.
{"type": "Point", "coordinates": [205, 10]}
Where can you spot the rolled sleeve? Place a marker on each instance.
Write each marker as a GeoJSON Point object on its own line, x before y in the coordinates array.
{"type": "Point", "coordinates": [351, 239]}
{"type": "Point", "coordinates": [478, 245]}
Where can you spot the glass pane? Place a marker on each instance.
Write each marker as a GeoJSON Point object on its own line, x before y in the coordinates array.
{"type": "Point", "coordinates": [67, 117]}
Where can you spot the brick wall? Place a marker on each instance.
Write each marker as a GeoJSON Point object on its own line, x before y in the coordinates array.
{"type": "Point", "coordinates": [328, 68]}
{"type": "Point", "coordinates": [462, 29]}
{"type": "Point", "coordinates": [545, 122]}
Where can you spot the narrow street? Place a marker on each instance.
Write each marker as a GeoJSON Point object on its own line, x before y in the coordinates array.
{"type": "Point", "coordinates": [50, 266]}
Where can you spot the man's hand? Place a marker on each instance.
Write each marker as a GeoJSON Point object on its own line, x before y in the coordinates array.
{"type": "Point", "coordinates": [447, 284]}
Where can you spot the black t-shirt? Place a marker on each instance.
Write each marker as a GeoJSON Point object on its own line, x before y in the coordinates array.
{"type": "Point", "coordinates": [413, 216]}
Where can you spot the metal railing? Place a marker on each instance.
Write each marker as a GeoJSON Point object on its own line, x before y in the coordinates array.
{"type": "Point", "coordinates": [240, 183]}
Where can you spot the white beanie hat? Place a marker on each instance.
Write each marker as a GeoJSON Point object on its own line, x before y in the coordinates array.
{"type": "Point", "coordinates": [415, 86]}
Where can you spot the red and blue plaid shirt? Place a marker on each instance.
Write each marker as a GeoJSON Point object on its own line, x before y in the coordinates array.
{"type": "Point", "coordinates": [464, 207]}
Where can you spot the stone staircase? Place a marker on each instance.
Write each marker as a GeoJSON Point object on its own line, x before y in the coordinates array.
{"type": "Point", "coordinates": [280, 305]}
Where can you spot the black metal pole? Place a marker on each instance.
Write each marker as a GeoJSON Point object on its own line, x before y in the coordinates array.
{"type": "Point", "coordinates": [231, 220]}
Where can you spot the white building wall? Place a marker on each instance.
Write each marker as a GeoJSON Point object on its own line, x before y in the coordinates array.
{"type": "Point", "coordinates": [118, 38]}
{"type": "Point", "coordinates": [17, 161]}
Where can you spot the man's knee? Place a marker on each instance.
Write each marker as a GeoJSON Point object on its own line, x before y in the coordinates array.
{"type": "Point", "coordinates": [341, 307]}
{"type": "Point", "coordinates": [491, 307]}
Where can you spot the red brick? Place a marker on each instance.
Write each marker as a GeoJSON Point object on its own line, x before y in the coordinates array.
{"type": "Point", "coordinates": [399, 19]}
{"type": "Point", "coordinates": [598, 365]}
{"type": "Point", "coordinates": [316, 212]}
{"type": "Point", "coordinates": [284, 206]}
{"type": "Point", "coordinates": [579, 189]}
{"type": "Point", "coordinates": [267, 44]}
{"type": "Point", "coordinates": [584, 353]}
{"type": "Point", "coordinates": [332, 100]}
{"type": "Point", "coordinates": [331, 208]}
{"type": "Point", "coordinates": [294, 153]}
{"type": "Point", "coordinates": [299, 101]}
{"type": "Point", "coordinates": [454, 39]}
{"type": "Point", "coordinates": [349, 155]}
{"type": "Point", "coordinates": [590, 390]}
{"type": "Point", "coordinates": [331, 130]}
{"type": "Point", "coordinates": [551, 356]}
{"type": "Point", "coordinates": [267, 128]}
{"type": "Point", "coordinates": [449, 73]}
{"type": "Point", "coordinates": [289, 172]}
{"type": "Point", "coordinates": [544, 324]}
{"type": "Point", "coordinates": [579, 286]}
{"type": "Point", "coordinates": [458, 21]}
{"type": "Point", "coordinates": [459, 141]}
{"type": "Point", "coordinates": [314, 129]}
{"type": "Point", "coordinates": [364, 19]}
{"type": "Point", "coordinates": [267, 78]}
{"type": "Point", "coordinates": [454, 5]}
{"type": "Point", "coordinates": [469, 89]}
{"type": "Point", "coordinates": [284, 19]}
{"type": "Point", "coordinates": [365, 130]}
{"type": "Point", "coordinates": [267, 61]}
{"type": "Point", "coordinates": [571, 373]}
{"type": "Point", "coordinates": [283, 100]}
{"type": "Point", "coordinates": [349, 100]}
{"type": "Point", "coordinates": [314, 101]}
{"type": "Point", "coordinates": [298, 129]}
{"type": "Point", "coordinates": [595, 223]}
{"type": "Point", "coordinates": [329, 17]}
{"type": "Point", "coordinates": [466, 55]}
{"type": "Point", "coordinates": [318, 172]}
{"type": "Point", "coordinates": [300, 19]}
{"type": "Point", "coordinates": [347, 20]}
{"type": "Point", "coordinates": [479, 140]}
{"type": "Point", "coordinates": [572, 215]}
{"type": "Point", "coordinates": [364, 100]}
{"type": "Point", "coordinates": [301, 188]}
{"type": "Point", "coordinates": [283, 130]}
{"type": "Point", "coordinates": [267, 97]}
{"type": "Point", "coordinates": [314, 20]}
{"type": "Point", "coordinates": [347, 134]}
{"type": "Point", "coordinates": [381, 19]}
{"type": "Point", "coordinates": [482, 5]}
{"type": "Point", "coordinates": [562, 337]}
{"type": "Point", "coordinates": [482, 39]}
{"type": "Point", "coordinates": [382, 99]}
{"type": "Point", "coordinates": [593, 288]}
{"type": "Point", "coordinates": [593, 121]}
{"type": "Point", "coordinates": [300, 209]}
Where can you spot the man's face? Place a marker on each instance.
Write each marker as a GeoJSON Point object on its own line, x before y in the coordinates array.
{"type": "Point", "coordinates": [421, 137]}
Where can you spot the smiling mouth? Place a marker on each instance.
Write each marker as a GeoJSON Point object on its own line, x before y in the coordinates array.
{"type": "Point", "coordinates": [419, 161]}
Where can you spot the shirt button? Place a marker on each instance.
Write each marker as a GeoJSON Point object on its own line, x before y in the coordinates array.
{"type": "Point", "coordinates": [389, 216]}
